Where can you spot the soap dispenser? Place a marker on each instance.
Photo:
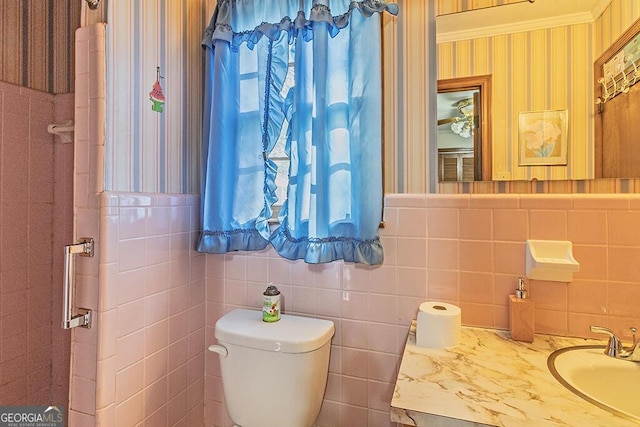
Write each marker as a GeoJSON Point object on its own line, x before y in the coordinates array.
{"type": "Point", "coordinates": [521, 314]}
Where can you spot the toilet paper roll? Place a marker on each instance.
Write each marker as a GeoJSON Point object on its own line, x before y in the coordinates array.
{"type": "Point", "coordinates": [438, 325]}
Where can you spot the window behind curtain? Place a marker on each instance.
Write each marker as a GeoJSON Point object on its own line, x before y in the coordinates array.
{"type": "Point", "coordinates": [327, 123]}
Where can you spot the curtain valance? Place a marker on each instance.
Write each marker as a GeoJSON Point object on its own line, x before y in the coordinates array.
{"type": "Point", "coordinates": [225, 24]}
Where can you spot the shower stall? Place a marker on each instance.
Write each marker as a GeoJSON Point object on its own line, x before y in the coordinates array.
{"type": "Point", "coordinates": [36, 204]}
{"type": "Point", "coordinates": [142, 359]}
{"type": "Point", "coordinates": [35, 207]}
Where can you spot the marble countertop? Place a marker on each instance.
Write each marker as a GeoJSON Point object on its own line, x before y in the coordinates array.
{"type": "Point", "coordinates": [489, 379]}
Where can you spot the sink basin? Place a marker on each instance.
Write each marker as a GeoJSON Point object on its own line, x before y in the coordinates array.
{"type": "Point", "coordinates": [612, 384]}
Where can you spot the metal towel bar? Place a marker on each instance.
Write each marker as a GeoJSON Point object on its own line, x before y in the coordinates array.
{"type": "Point", "coordinates": [83, 318]}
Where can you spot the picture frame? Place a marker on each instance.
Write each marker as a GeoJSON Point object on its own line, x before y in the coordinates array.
{"type": "Point", "coordinates": [542, 137]}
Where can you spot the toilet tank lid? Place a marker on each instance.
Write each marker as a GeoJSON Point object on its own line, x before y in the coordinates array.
{"type": "Point", "coordinates": [291, 334]}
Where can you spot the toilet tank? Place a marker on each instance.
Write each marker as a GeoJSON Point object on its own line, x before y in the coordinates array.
{"type": "Point", "coordinates": [273, 373]}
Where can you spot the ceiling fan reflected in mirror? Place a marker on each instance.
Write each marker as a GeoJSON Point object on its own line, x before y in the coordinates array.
{"type": "Point", "coordinates": [461, 125]}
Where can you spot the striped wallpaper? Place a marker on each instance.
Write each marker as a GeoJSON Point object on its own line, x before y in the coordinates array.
{"type": "Point", "coordinates": [36, 43]}
{"type": "Point", "coordinates": [409, 96]}
{"type": "Point", "coordinates": [537, 70]}
{"type": "Point", "coordinates": [613, 22]}
{"type": "Point", "coordinates": [149, 151]}
{"type": "Point", "coordinates": [159, 152]}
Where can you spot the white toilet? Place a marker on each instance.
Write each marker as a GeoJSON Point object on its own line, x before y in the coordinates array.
{"type": "Point", "coordinates": [273, 374]}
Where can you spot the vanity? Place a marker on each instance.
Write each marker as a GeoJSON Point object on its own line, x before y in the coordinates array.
{"type": "Point", "coordinates": [489, 379]}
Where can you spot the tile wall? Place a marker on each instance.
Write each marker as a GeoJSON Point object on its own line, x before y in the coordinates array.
{"type": "Point", "coordinates": [150, 355]}
{"type": "Point", "coordinates": [142, 361]}
{"type": "Point", "coordinates": [464, 249]}
{"type": "Point", "coordinates": [89, 143]}
{"type": "Point", "coordinates": [35, 199]}
{"type": "Point", "coordinates": [62, 235]}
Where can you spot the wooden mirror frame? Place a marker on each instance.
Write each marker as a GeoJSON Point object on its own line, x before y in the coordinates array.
{"type": "Point", "coordinates": [470, 83]}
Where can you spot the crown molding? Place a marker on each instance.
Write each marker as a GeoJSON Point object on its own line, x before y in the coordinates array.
{"type": "Point", "coordinates": [516, 18]}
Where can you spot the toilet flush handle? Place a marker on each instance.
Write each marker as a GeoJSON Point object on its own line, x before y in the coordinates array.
{"type": "Point", "coordinates": [217, 348]}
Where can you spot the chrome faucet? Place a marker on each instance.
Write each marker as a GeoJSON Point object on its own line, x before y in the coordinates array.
{"type": "Point", "coordinates": [614, 346]}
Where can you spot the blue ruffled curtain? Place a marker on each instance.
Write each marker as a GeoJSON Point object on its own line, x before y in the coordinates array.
{"type": "Point", "coordinates": [334, 198]}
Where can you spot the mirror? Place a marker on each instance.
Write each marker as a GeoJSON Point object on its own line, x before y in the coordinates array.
{"type": "Point", "coordinates": [541, 57]}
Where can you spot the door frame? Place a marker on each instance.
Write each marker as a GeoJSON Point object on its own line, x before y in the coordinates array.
{"type": "Point", "coordinates": [482, 149]}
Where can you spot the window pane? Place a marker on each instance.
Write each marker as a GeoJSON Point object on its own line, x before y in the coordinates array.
{"type": "Point", "coordinates": [278, 154]}
{"type": "Point", "coordinates": [282, 180]}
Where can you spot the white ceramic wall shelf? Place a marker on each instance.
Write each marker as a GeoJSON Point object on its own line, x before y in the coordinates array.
{"type": "Point", "coordinates": [550, 260]}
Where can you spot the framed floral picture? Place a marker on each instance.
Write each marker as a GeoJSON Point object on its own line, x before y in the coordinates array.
{"type": "Point", "coordinates": [542, 136]}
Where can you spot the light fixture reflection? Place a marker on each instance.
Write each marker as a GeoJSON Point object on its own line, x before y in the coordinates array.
{"type": "Point", "coordinates": [463, 126]}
